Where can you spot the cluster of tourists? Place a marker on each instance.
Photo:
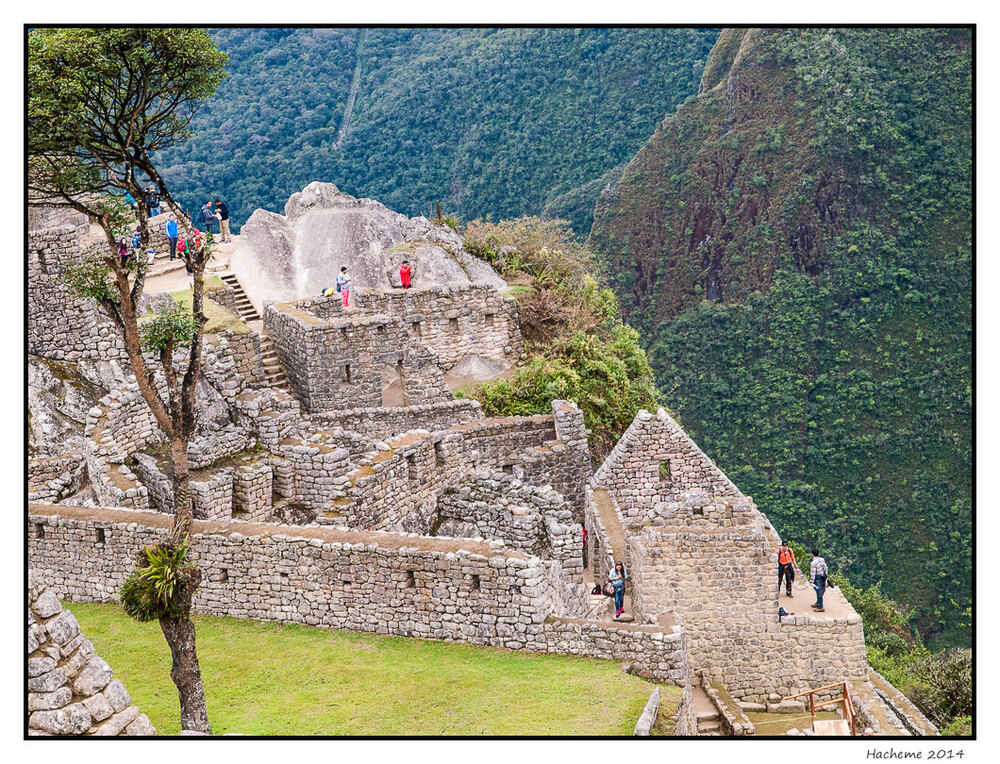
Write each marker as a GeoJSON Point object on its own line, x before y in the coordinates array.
{"type": "Point", "coordinates": [342, 286]}
{"type": "Point", "coordinates": [818, 573]}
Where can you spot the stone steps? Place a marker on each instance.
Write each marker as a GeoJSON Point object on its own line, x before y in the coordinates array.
{"type": "Point", "coordinates": [244, 307]}
{"type": "Point", "coordinates": [274, 372]}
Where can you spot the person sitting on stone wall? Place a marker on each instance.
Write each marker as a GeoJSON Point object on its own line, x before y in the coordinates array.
{"type": "Point", "coordinates": [618, 578]}
{"type": "Point", "coordinates": [818, 574]}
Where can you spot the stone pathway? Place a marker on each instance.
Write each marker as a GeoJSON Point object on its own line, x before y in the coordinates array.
{"type": "Point", "coordinates": [707, 715]}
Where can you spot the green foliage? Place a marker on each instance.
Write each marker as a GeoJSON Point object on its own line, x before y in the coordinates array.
{"type": "Point", "coordinates": [823, 208]}
{"type": "Point", "coordinates": [171, 329]}
{"type": "Point", "coordinates": [162, 584]}
{"type": "Point", "coordinates": [488, 121]}
{"type": "Point", "coordinates": [91, 278]}
{"type": "Point", "coordinates": [960, 726]}
{"type": "Point", "coordinates": [578, 348]}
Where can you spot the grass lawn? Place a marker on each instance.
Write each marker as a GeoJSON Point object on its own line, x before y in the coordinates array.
{"type": "Point", "coordinates": [219, 318]}
{"type": "Point", "coordinates": [271, 679]}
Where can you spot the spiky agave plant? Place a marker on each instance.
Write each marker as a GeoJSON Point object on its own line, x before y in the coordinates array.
{"type": "Point", "coordinates": [162, 584]}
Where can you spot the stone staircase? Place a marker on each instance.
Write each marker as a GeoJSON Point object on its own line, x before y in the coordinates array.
{"type": "Point", "coordinates": [244, 307]}
{"type": "Point", "coordinates": [706, 714]}
{"type": "Point", "coordinates": [274, 372]}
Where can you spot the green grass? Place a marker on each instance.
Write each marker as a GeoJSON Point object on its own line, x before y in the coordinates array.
{"type": "Point", "coordinates": [219, 318]}
{"type": "Point", "coordinates": [271, 679]}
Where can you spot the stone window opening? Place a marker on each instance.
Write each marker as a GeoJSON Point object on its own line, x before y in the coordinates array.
{"type": "Point", "coordinates": [347, 374]}
{"type": "Point", "coordinates": [665, 476]}
{"type": "Point", "coordinates": [453, 325]}
{"type": "Point", "coordinates": [508, 468]}
{"type": "Point", "coordinates": [415, 327]}
{"type": "Point", "coordinates": [347, 586]}
{"type": "Point", "coordinates": [99, 535]}
{"type": "Point", "coordinates": [514, 589]}
{"type": "Point", "coordinates": [411, 468]}
{"type": "Point", "coordinates": [43, 262]}
{"type": "Point", "coordinates": [39, 530]}
{"type": "Point", "coordinates": [490, 318]}
{"type": "Point", "coordinates": [475, 583]}
{"type": "Point", "coordinates": [380, 331]}
{"type": "Point", "coordinates": [439, 454]}
{"type": "Point", "coordinates": [223, 576]}
{"type": "Point", "coordinates": [411, 580]}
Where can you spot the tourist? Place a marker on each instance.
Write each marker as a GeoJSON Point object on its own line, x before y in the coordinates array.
{"type": "Point", "coordinates": [344, 286]}
{"type": "Point", "coordinates": [786, 567]}
{"type": "Point", "coordinates": [618, 578]}
{"type": "Point", "coordinates": [123, 252]}
{"type": "Point", "coordinates": [152, 200]}
{"type": "Point", "coordinates": [223, 211]}
{"type": "Point", "coordinates": [818, 573]}
{"type": "Point", "coordinates": [136, 240]}
{"type": "Point", "coordinates": [404, 274]}
{"type": "Point", "coordinates": [171, 230]}
{"type": "Point", "coordinates": [188, 247]}
{"type": "Point", "coordinates": [209, 216]}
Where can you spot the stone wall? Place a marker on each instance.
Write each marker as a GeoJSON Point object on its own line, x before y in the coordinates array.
{"type": "Point", "coordinates": [459, 590]}
{"type": "Point", "coordinates": [720, 580]}
{"type": "Point", "coordinates": [382, 422]}
{"type": "Point", "coordinates": [60, 325]}
{"type": "Point", "coordinates": [632, 471]}
{"type": "Point", "coordinates": [456, 320]}
{"type": "Point", "coordinates": [52, 478]}
{"type": "Point", "coordinates": [533, 520]}
{"type": "Point", "coordinates": [345, 362]}
{"type": "Point", "coordinates": [245, 348]}
{"type": "Point", "coordinates": [71, 690]}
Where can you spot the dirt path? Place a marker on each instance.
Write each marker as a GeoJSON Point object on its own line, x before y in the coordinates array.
{"type": "Point", "coordinates": [606, 510]}
{"type": "Point", "coordinates": [803, 595]}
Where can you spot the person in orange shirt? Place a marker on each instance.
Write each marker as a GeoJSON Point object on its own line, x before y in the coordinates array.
{"type": "Point", "coordinates": [786, 567]}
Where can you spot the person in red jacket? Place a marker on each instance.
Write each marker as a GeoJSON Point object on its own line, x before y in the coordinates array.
{"type": "Point", "coordinates": [404, 274]}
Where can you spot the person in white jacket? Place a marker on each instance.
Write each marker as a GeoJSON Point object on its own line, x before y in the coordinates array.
{"type": "Point", "coordinates": [818, 573]}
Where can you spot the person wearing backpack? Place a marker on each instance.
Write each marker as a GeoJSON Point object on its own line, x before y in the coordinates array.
{"type": "Point", "coordinates": [152, 200]}
{"type": "Point", "coordinates": [786, 567]}
{"type": "Point", "coordinates": [818, 574]}
{"type": "Point", "coordinates": [344, 286]}
{"type": "Point", "coordinates": [209, 216]}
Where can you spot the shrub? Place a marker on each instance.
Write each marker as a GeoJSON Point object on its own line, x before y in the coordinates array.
{"type": "Point", "coordinates": [162, 584]}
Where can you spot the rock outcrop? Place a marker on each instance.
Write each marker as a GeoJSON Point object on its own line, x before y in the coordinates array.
{"type": "Point", "coordinates": [300, 253]}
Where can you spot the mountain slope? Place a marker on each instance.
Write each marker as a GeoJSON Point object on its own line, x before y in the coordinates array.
{"type": "Point", "coordinates": [488, 121]}
{"type": "Point", "coordinates": [795, 247]}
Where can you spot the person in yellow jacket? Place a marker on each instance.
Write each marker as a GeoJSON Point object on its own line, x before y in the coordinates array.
{"type": "Point", "coordinates": [786, 567]}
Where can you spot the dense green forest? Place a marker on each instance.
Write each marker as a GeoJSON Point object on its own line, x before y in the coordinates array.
{"type": "Point", "coordinates": [499, 122]}
{"type": "Point", "coordinates": [794, 246]}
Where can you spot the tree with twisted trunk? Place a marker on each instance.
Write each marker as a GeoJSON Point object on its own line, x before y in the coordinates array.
{"type": "Point", "coordinates": [100, 103]}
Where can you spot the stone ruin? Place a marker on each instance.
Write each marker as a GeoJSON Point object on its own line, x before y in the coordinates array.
{"type": "Point", "coordinates": [365, 496]}
{"type": "Point", "coordinates": [71, 690]}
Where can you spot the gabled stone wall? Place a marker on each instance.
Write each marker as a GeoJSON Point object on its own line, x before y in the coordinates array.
{"type": "Point", "coordinates": [655, 461]}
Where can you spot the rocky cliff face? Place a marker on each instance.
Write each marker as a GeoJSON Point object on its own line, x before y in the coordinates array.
{"type": "Point", "coordinates": [795, 245]}
{"type": "Point", "coordinates": [300, 253]}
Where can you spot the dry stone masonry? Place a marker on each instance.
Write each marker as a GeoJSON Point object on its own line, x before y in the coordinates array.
{"type": "Point", "coordinates": [369, 498]}
{"type": "Point", "coordinates": [71, 690]}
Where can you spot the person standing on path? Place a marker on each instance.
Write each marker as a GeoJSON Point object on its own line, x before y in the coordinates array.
{"type": "Point", "coordinates": [152, 200]}
{"type": "Point", "coordinates": [123, 252]}
{"type": "Point", "coordinates": [344, 286]}
{"type": "Point", "coordinates": [818, 573]}
{"type": "Point", "coordinates": [170, 229]}
{"type": "Point", "coordinates": [209, 216]}
{"type": "Point", "coordinates": [786, 567]}
{"type": "Point", "coordinates": [404, 274]}
{"type": "Point", "coordinates": [618, 578]}
{"type": "Point", "coordinates": [223, 211]}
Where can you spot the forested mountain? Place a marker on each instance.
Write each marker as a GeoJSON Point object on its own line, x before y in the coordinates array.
{"type": "Point", "coordinates": [499, 122]}
{"type": "Point", "coordinates": [795, 247]}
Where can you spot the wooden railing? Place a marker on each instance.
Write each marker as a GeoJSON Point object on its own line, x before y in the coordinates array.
{"type": "Point", "coordinates": [845, 698]}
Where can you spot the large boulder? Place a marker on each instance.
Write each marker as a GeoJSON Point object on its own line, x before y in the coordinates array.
{"type": "Point", "coordinates": [300, 253]}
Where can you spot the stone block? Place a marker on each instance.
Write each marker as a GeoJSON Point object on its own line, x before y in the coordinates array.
{"type": "Point", "coordinates": [63, 628]}
{"type": "Point", "coordinates": [47, 682]}
{"type": "Point", "coordinates": [71, 720]}
{"type": "Point", "coordinates": [44, 701]}
{"type": "Point", "coordinates": [117, 722]}
{"type": "Point", "coordinates": [117, 695]}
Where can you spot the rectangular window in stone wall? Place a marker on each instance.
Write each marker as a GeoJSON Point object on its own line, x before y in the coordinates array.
{"type": "Point", "coordinates": [99, 535]}
{"type": "Point", "coordinates": [453, 324]}
{"type": "Point", "coordinates": [475, 583]}
{"type": "Point", "coordinates": [665, 471]}
{"type": "Point", "coordinates": [411, 580]}
{"type": "Point", "coordinates": [489, 318]}
{"type": "Point", "coordinates": [415, 328]}
{"type": "Point", "coordinates": [347, 374]}
{"type": "Point", "coordinates": [438, 454]}
{"type": "Point", "coordinates": [411, 468]}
